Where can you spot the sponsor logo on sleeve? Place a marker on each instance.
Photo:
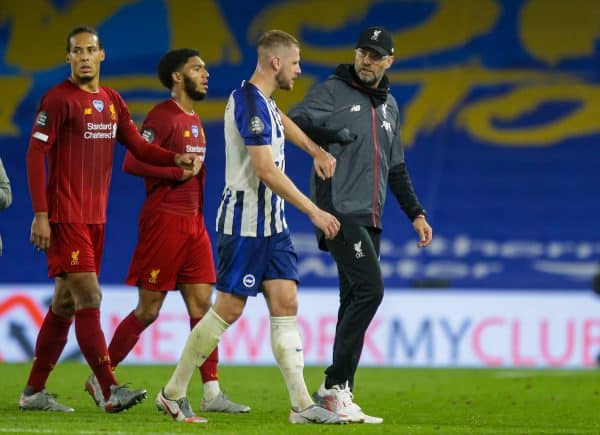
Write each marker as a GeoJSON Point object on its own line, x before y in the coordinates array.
{"type": "Point", "coordinates": [148, 134]}
{"type": "Point", "coordinates": [256, 125]}
{"type": "Point", "coordinates": [41, 136]}
{"type": "Point", "coordinates": [42, 119]}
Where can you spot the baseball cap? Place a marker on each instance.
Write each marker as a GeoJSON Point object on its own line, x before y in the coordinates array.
{"type": "Point", "coordinates": [378, 39]}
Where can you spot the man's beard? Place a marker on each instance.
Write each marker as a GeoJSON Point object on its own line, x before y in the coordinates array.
{"type": "Point", "coordinates": [370, 82]}
{"type": "Point", "coordinates": [190, 89]}
{"type": "Point", "coordinates": [282, 84]}
{"type": "Point", "coordinates": [82, 80]}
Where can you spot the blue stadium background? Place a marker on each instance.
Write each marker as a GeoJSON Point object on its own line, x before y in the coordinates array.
{"type": "Point", "coordinates": [501, 103]}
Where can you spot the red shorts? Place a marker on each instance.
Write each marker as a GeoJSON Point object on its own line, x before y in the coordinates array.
{"type": "Point", "coordinates": [75, 248]}
{"type": "Point", "coordinates": [171, 250]}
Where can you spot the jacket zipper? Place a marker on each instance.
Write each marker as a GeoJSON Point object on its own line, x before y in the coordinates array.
{"type": "Point", "coordinates": [376, 163]}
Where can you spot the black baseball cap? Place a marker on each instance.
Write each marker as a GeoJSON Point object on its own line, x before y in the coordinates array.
{"type": "Point", "coordinates": [378, 39]}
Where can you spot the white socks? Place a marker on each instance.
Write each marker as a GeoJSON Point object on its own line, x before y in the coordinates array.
{"type": "Point", "coordinates": [287, 349]}
{"type": "Point", "coordinates": [211, 390]}
{"type": "Point", "coordinates": [203, 339]}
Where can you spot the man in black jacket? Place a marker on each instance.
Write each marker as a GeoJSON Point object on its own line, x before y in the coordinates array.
{"type": "Point", "coordinates": [353, 115]}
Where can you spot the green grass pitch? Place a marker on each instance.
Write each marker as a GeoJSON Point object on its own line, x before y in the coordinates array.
{"type": "Point", "coordinates": [412, 401]}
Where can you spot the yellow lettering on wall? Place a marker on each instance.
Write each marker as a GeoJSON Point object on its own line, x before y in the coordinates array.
{"type": "Point", "coordinates": [478, 117]}
{"type": "Point", "coordinates": [317, 15]}
{"type": "Point", "coordinates": [201, 25]}
{"type": "Point", "coordinates": [555, 30]}
{"type": "Point", "coordinates": [15, 89]}
{"type": "Point", "coordinates": [39, 30]}
{"type": "Point", "coordinates": [441, 91]}
{"type": "Point", "coordinates": [453, 23]}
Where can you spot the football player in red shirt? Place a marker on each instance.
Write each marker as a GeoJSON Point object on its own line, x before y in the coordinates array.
{"type": "Point", "coordinates": [174, 249]}
{"type": "Point", "coordinates": [76, 128]}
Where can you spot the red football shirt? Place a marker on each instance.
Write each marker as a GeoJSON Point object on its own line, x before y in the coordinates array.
{"type": "Point", "coordinates": [77, 131]}
{"type": "Point", "coordinates": [176, 130]}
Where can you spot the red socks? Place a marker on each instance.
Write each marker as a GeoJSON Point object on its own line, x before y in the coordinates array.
{"type": "Point", "coordinates": [126, 336]}
{"type": "Point", "coordinates": [93, 346]}
{"type": "Point", "coordinates": [50, 343]}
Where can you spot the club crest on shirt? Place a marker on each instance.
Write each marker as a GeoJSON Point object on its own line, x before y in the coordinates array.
{"type": "Point", "coordinates": [98, 105]}
{"type": "Point", "coordinates": [148, 134]}
{"type": "Point", "coordinates": [195, 130]}
{"type": "Point", "coordinates": [256, 125]}
{"type": "Point", "coordinates": [74, 258]}
{"type": "Point", "coordinates": [42, 119]}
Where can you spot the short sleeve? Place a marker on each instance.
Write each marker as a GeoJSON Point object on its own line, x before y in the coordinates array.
{"type": "Point", "coordinates": [252, 117]}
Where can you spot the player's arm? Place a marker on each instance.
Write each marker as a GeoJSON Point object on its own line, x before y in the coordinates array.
{"type": "Point", "coordinates": [5, 192]}
{"type": "Point", "coordinates": [324, 162]}
{"type": "Point", "coordinates": [128, 135]}
{"type": "Point", "coordinates": [48, 122]}
{"type": "Point", "coordinates": [133, 166]}
{"type": "Point", "coordinates": [402, 188]}
{"type": "Point", "coordinates": [151, 153]}
{"type": "Point", "coordinates": [312, 114]}
{"type": "Point", "coordinates": [40, 235]}
{"type": "Point", "coordinates": [278, 182]}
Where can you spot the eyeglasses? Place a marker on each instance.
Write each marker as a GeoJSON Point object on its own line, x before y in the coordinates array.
{"type": "Point", "coordinates": [371, 54]}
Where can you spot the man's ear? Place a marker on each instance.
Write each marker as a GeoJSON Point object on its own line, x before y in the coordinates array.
{"type": "Point", "coordinates": [102, 55]}
{"type": "Point", "coordinates": [276, 62]}
{"type": "Point", "coordinates": [389, 61]}
{"type": "Point", "coordinates": [176, 77]}
{"type": "Point", "coordinates": [68, 57]}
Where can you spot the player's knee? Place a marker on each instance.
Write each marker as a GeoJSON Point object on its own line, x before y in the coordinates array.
{"type": "Point", "coordinates": [287, 306]}
{"type": "Point", "coordinates": [85, 291]}
{"type": "Point", "coordinates": [63, 308]}
{"type": "Point", "coordinates": [369, 293]}
{"type": "Point", "coordinates": [199, 308]}
{"type": "Point", "coordinates": [229, 313]}
{"type": "Point", "coordinates": [146, 315]}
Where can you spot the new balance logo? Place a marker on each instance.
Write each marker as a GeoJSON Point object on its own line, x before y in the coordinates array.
{"type": "Point", "coordinates": [387, 126]}
{"type": "Point", "coordinates": [355, 108]}
{"type": "Point", "coordinates": [375, 35]}
{"type": "Point", "coordinates": [358, 252]}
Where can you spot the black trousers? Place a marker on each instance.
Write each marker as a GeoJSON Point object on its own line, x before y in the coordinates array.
{"type": "Point", "coordinates": [356, 252]}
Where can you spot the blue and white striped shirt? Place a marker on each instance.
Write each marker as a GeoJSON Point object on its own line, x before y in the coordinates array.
{"type": "Point", "coordinates": [248, 207]}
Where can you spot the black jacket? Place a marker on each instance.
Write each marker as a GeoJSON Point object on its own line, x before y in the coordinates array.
{"type": "Point", "coordinates": [360, 127]}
